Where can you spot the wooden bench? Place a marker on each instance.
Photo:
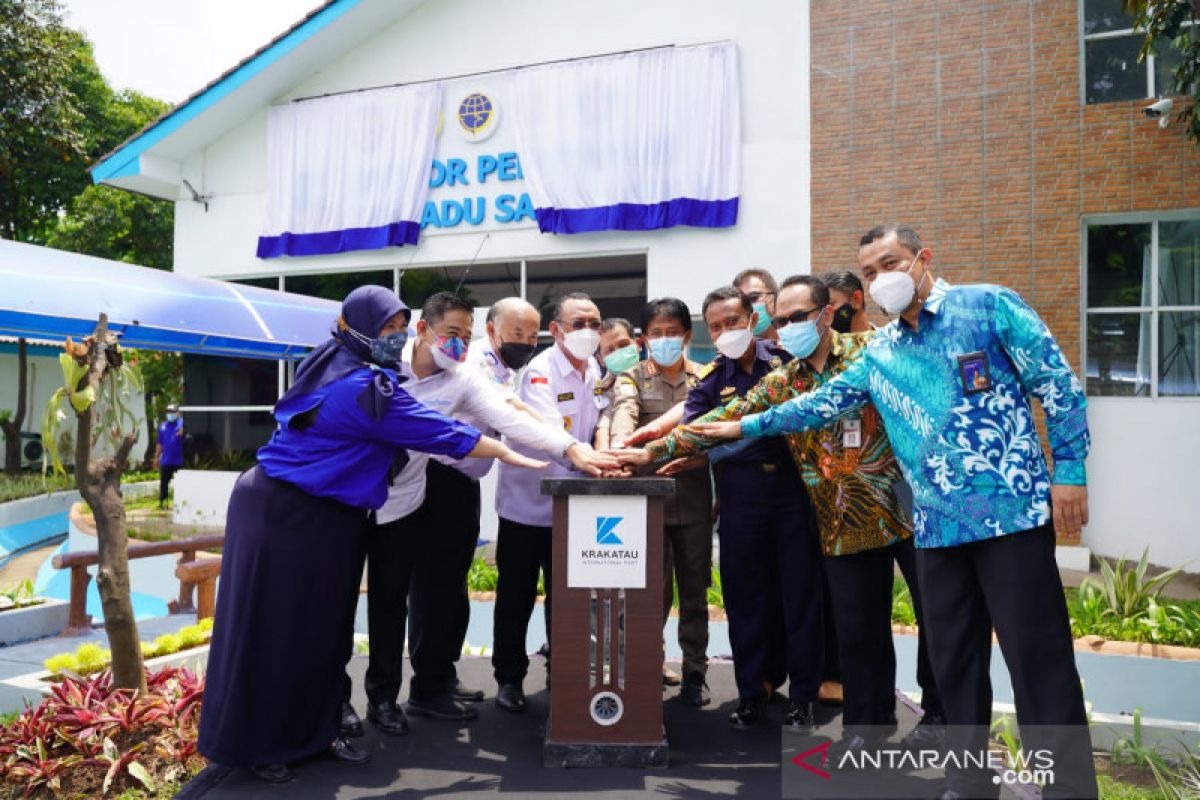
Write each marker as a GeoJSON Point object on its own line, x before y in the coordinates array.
{"type": "Point", "coordinates": [192, 574]}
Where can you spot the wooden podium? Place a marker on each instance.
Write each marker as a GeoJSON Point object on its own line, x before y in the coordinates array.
{"type": "Point", "coordinates": [606, 640]}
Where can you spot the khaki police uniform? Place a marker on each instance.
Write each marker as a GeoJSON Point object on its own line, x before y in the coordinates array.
{"type": "Point", "coordinates": [642, 395]}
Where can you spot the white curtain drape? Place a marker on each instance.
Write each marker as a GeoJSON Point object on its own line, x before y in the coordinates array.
{"type": "Point", "coordinates": [637, 141]}
{"type": "Point", "coordinates": [349, 172]}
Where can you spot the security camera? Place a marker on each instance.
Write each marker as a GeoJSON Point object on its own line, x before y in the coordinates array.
{"type": "Point", "coordinates": [1159, 110]}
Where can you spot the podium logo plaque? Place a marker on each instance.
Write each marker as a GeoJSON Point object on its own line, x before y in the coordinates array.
{"type": "Point", "coordinates": [606, 540]}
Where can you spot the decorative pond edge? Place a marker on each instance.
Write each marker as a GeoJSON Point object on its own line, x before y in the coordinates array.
{"type": "Point", "coordinates": [47, 617]}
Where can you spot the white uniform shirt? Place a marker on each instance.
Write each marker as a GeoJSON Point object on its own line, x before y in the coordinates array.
{"type": "Point", "coordinates": [555, 391]}
{"type": "Point", "coordinates": [484, 362]}
{"type": "Point", "coordinates": [461, 393]}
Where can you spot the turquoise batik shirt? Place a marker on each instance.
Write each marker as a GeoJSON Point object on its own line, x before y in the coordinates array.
{"type": "Point", "coordinates": [954, 400]}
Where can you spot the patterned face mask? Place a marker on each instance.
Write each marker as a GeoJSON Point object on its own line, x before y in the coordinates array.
{"type": "Point", "coordinates": [386, 350]}
{"type": "Point", "coordinates": [449, 352]}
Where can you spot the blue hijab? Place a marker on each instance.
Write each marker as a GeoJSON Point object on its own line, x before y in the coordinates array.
{"type": "Point", "coordinates": [364, 311]}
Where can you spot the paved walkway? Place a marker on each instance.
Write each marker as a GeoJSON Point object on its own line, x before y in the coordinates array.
{"type": "Point", "coordinates": [499, 755]}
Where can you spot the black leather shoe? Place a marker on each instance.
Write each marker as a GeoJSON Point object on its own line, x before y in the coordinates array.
{"type": "Point", "coordinates": [748, 714]}
{"type": "Point", "coordinates": [511, 697]}
{"type": "Point", "coordinates": [928, 734]}
{"type": "Point", "coordinates": [800, 718]}
{"type": "Point", "coordinates": [388, 718]}
{"type": "Point", "coordinates": [273, 773]}
{"type": "Point", "coordinates": [342, 750]}
{"type": "Point", "coordinates": [351, 726]}
{"type": "Point", "coordinates": [465, 693]}
{"type": "Point", "coordinates": [443, 707]}
{"type": "Point", "coordinates": [694, 690]}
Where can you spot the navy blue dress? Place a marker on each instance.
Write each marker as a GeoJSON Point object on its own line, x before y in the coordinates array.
{"type": "Point", "coordinates": [291, 568]}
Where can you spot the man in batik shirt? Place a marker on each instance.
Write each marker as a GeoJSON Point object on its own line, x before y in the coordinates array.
{"type": "Point", "coordinates": [952, 379]}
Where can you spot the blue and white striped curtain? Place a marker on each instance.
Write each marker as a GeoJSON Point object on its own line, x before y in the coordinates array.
{"type": "Point", "coordinates": [637, 141]}
{"type": "Point", "coordinates": [349, 172]}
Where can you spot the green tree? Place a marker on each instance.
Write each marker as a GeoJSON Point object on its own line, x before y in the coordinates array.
{"type": "Point", "coordinates": [1174, 25]}
{"type": "Point", "coordinates": [42, 143]}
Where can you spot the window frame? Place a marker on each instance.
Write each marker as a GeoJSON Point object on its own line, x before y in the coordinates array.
{"type": "Point", "coordinates": [1149, 64]}
{"type": "Point", "coordinates": [1155, 309]}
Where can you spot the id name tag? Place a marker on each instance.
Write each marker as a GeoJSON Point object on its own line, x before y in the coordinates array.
{"type": "Point", "coordinates": [852, 432]}
{"type": "Point", "coordinates": [974, 373]}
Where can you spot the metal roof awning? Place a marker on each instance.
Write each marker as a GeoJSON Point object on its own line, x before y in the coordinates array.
{"type": "Point", "coordinates": [52, 294]}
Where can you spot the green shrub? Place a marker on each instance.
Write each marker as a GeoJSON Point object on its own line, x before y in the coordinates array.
{"type": "Point", "coordinates": [192, 636]}
{"type": "Point", "coordinates": [482, 576]}
{"type": "Point", "coordinates": [903, 611]}
{"type": "Point", "coordinates": [60, 662]}
{"type": "Point", "coordinates": [206, 624]}
{"type": "Point", "coordinates": [167, 644]}
{"type": "Point", "coordinates": [91, 657]}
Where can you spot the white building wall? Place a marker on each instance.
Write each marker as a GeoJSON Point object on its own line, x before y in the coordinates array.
{"type": "Point", "coordinates": [44, 376]}
{"type": "Point", "coordinates": [453, 37]}
{"type": "Point", "coordinates": [1142, 480]}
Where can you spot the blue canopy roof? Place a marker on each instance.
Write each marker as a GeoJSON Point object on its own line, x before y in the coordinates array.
{"type": "Point", "coordinates": [52, 294]}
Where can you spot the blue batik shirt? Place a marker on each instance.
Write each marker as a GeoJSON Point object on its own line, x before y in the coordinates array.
{"type": "Point", "coordinates": [954, 397]}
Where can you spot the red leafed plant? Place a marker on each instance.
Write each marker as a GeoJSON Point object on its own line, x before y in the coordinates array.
{"type": "Point", "coordinates": [88, 739]}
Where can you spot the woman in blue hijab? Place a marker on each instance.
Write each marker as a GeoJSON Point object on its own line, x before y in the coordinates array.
{"type": "Point", "coordinates": [293, 553]}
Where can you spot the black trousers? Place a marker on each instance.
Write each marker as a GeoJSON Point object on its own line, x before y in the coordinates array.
{"type": "Point", "coordinates": [439, 607]}
{"type": "Point", "coordinates": [165, 473]}
{"type": "Point", "coordinates": [861, 588]}
{"type": "Point", "coordinates": [521, 552]}
{"type": "Point", "coordinates": [1011, 583]}
{"type": "Point", "coordinates": [392, 553]}
{"type": "Point", "coordinates": [771, 576]}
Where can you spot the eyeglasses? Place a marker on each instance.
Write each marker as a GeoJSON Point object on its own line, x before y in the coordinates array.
{"type": "Point", "coordinates": [580, 324]}
{"type": "Point", "coordinates": [797, 316]}
{"type": "Point", "coordinates": [754, 297]}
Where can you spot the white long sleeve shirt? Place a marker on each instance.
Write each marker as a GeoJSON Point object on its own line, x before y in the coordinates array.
{"type": "Point", "coordinates": [483, 361]}
{"type": "Point", "coordinates": [459, 394]}
{"type": "Point", "coordinates": [564, 399]}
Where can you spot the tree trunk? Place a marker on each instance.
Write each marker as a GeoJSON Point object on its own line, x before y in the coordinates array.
{"type": "Point", "coordinates": [100, 485]}
{"type": "Point", "coordinates": [12, 428]}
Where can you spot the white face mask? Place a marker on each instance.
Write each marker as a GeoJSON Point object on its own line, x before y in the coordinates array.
{"type": "Point", "coordinates": [894, 291]}
{"type": "Point", "coordinates": [733, 344]}
{"type": "Point", "coordinates": [444, 361]}
{"type": "Point", "coordinates": [582, 343]}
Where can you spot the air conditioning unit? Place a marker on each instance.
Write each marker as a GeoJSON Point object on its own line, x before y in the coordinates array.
{"type": "Point", "coordinates": [31, 451]}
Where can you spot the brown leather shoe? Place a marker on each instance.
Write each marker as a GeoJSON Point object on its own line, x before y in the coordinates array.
{"type": "Point", "coordinates": [830, 693]}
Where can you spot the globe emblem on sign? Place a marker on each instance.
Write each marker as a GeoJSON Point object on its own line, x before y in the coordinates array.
{"type": "Point", "coordinates": [477, 116]}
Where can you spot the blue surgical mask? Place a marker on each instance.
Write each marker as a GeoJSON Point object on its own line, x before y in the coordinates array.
{"type": "Point", "coordinates": [666, 350]}
{"type": "Point", "coordinates": [618, 361]}
{"type": "Point", "coordinates": [764, 319]}
{"type": "Point", "coordinates": [171, 417]}
{"type": "Point", "coordinates": [386, 350]}
{"type": "Point", "coordinates": [800, 338]}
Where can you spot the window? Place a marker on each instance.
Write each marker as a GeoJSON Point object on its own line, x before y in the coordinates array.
{"type": "Point", "coordinates": [1143, 307]}
{"type": "Point", "coordinates": [1110, 55]}
{"type": "Point", "coordinates": [336, 285]}
{"type": "Point", "coordinates": [617, 284]}
{"type": "Point", "coordinates": [480, 284]}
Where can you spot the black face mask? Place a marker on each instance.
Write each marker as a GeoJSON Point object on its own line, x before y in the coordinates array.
{"type": "Point", "coordinates": [515, 354]}
{"type": "Point", "coordinates": [842, 318]}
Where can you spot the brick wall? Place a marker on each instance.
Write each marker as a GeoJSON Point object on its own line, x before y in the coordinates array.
{"type": "Point", "coordinates": [965, 120]}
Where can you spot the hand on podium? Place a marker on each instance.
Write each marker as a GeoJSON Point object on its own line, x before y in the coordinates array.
{"type": "Point", "coordinates": [717, 430]}
{"type": "Point", "coordinates": [673, 468]}
{"type": "Point", "coordinates": [593, 462]}
{"type": "Point", "coordinates": [632, 456]}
